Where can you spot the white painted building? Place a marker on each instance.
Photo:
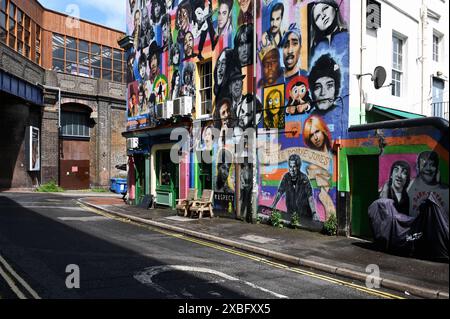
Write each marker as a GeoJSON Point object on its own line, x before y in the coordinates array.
{"type": "Point", "coordinates": [410, 39]}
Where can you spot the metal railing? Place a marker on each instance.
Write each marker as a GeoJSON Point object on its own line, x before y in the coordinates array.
{"type": "Point", "coordinates": [440, 109]}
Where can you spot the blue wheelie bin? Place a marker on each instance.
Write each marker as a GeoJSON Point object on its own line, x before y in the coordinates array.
{"type": "Point", "coordinates": [118, 185]}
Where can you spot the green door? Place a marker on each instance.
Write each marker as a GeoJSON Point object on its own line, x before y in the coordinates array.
{"type": "Point", "coordinates": [363, 192]}
{"type": "Point", "coordinates": [166, 179]}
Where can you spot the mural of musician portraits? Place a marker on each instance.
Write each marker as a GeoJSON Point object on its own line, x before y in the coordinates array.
{"type": "Point", "coordinates": [414, 200]}
{"type": "Point", "coordinates": [150, 28]}
{"type": "Point", "coordinates": [302, 77]}
{"type": "Point", "coordinates": [300, 95]}
{"type": "Point", "coordinates": [408, 179]}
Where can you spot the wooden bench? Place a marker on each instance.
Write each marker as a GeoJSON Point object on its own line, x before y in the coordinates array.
{"type": "Point", "coordinates": [205, 204]}
{"type": "Point", "coordinates": [184, 203]}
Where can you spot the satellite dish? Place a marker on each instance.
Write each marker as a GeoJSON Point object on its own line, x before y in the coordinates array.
{"type": "Point", "coordinates": [379, 77]}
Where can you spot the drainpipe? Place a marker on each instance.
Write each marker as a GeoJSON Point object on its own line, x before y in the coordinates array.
{"type": "Point", "coordinates": [423, 21]}
{"type": "Point", "coordinates": [361, 51]}
{"type": "Point", "coordinates": [254, 134]}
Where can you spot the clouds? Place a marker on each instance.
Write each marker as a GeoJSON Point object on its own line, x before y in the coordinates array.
{"type": "Point", "coordinates": [110, 13]}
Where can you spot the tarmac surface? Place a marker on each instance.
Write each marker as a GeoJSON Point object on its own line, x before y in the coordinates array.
{"type": "Point", "coordinates": [348, 257]}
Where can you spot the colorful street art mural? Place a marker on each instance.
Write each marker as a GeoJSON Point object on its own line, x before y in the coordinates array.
{"type": "Point", "coordinates": [302, 79]}
{"type": "Point", "coordinates": [410, 215]}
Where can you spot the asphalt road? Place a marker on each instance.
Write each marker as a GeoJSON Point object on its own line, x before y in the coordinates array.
{"type": "Point", "coordinates": [41, 235]}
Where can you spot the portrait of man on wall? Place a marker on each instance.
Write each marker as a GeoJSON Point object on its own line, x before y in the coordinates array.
{"type": "Point", "coordinates": [297, 189]}
{"type": "Point", "coordinates": [272, 72]}
{"type": "Point", "coordinates": [291, 45]}
{"type": "Point", "coordinates": [243, 44]}
{"type": "Point", "coordinates": [275, 33]}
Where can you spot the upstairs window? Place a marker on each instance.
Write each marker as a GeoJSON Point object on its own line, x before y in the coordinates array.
{"type": "Point", "coordinates": [206, 87]}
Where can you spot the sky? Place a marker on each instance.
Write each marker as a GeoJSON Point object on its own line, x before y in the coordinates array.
{"type": "Point", "coordinates": [110, 13]}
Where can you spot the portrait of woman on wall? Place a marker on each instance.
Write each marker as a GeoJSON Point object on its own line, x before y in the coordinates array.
{"type": "Point", "coordinates": [396, 187]}
{"type": "Point", "coordinates": [316, 134]}
{"type": "Point", "coordinates": [158, 10]}
{"type": "Point", "coordinates": [175, 54]}
{"type": "Point", "coordinates": [325, 83]}
{"type": "Point", "coordinates": [326, 23]}
{"type": "Point", "coordinates": [274, 114]}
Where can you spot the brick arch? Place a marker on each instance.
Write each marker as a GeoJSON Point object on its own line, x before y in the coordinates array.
{"type": "Point", "coordinates": [90, 106]}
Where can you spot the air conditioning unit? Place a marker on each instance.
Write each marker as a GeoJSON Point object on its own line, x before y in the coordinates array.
{"type": "Point", "coordinates": [182, 105]}
{"type": "Point", "coordinates": [168, 106]}
{"type": "Point", "coordinates": [132, 143]}
{"type": "Point", "coordinates": [160, 111]}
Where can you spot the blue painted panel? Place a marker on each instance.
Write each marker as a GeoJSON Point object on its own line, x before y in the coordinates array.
{"type": "Point", "coordinates": [21, 89]}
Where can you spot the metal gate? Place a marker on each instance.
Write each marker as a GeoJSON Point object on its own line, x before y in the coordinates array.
{"type": "Point", "coordinates": [74, 174]}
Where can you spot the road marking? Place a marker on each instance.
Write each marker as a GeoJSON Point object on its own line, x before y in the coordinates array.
{"type": "Point", "coordinates": [252, 257]}
{"type": "Point", "coordinates": [11, 284]}
{"type": "Point", "coordinates": [147, 275]}
{"type": "Point", "coordinates": [84, 219]}
{"type": "Point", "coordinates": [18, 279]}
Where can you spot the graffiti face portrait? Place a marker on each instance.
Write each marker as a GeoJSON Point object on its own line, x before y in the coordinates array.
{"type": "Point", "coordinates": [324, 16]}
{"type": "Point", "coordinates": [244, 44]}
{"type": "Point", "coordinates": [325, 82]}
{"type": "Point", "coordinates": [291, 51]}
{"type": "Point", "coordinates": [236, 86]}
{"type": "Point", "coordinates": [221, 68]}
{"type": "Point", "coordinates": [245, 114]}
{"type": "Point", "coordinates": [298, 92]}
{"type": "Point", "coordinates": [142, 65]}
{"type": "Point", "coordinates": [225, 113]}
{"type": "Point", "coordinates": [324, 91]}
{"type": "Point", "coordinates": [154, 64]}
{"type": "Point", "coordinates": [244, 5]}
{"type": "Point", "coordinates": [294, 168]}
{"type": "Point", "coordinates": [400, 175]}
{"type": "Point", "coordinates": [428, 163]}
{"type": "Point", "coordinates": [183, 18]}
{"type": "Point", "coordinates": [189, 45]}
{"type": "Point", "coordinates": [175, 52]}
{"type": "Point", "coordinates": [224, 14]}
{"type": "Point", "coordinates": [158, 10]}
{"type": "Point", "coordinates": [271, 66]}
{"type": "Point", "coordinates": [165, 29]}
{"type": "Point", "coordinates": [208, 138]}
{"type": "Point", "coordinates": [316, 134]}
{"type": "Point", "coordinates": [274, 102]}
{"type": "Point", "coordinates": [137, 19]}
{"type": "Point", "coordinates": [276, 18]}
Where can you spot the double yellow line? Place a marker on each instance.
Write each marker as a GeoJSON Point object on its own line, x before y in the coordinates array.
{"type": "Point", "coordinates": [263, 260]}
{"type": "Point", "coordinates": [17, 284]}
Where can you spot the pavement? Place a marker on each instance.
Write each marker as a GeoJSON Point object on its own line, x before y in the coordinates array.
{"type": "Point", "coordinates": [347, 257]}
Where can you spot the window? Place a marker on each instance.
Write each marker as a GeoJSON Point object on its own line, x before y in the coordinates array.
{"type": "Point", "coordinates": [397, 65]}
{"type": "Point", "coordinates": [206, 87]}
{"type": "Point", "coordinates": [164, 168]}
{"type": "Point", "coordinates": [436, 43]}
{"type": "Point", "coordinates": [87, 59]}
{"type": "Point", "coordinates": [58, 52]}
{"type": "Point", "coordinates": [75, 124]}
